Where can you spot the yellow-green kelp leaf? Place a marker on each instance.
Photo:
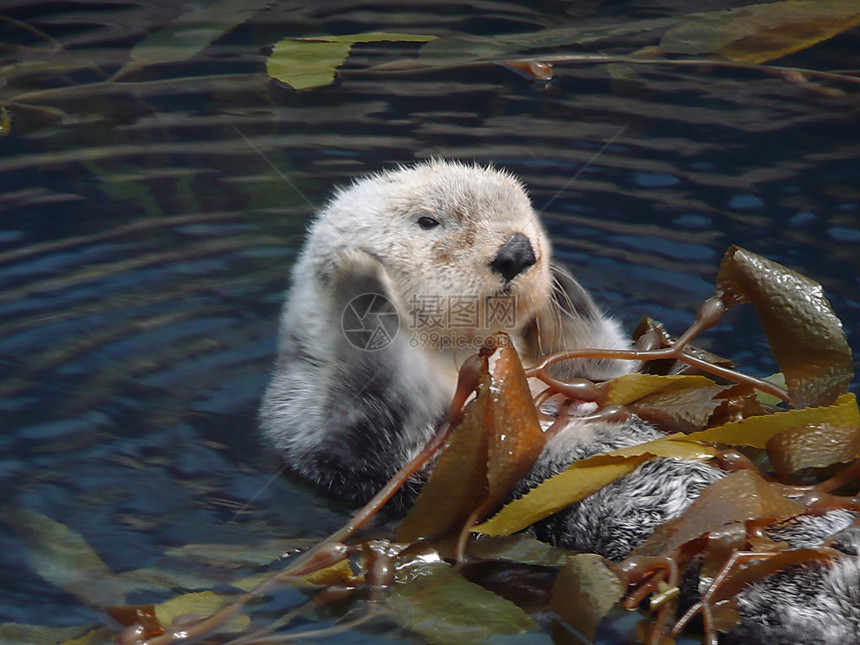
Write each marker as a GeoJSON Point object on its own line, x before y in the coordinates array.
{"type": "Point", "coordinates": [804, 333]}
{"type": "Point", "coordinates": [631, 387]}
{"type": "Point", "coordinates": [202, 603]}
{"type": "Point", "coordinates": [757, 431]}
{"type": "Point", "coordinates": [303, 63]}
{"type": "Point", "coordinates": [582, 478]}
{"type": "Point", "coordinates": [769, 399]}
{"type": "Point", "coordinates": [587, 476]}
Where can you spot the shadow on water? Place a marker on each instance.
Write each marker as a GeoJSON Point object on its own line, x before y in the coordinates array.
{"type": "Point", "coordinates": [147, 226]}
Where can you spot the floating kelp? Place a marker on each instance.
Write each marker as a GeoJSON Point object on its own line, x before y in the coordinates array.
{"type": "Point", "coordinates": [746, 37]}
{"type": "Point", "coordinates": [444, 578]}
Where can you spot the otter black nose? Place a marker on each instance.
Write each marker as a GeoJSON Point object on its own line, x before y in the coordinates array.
{"type": "Point", "coordinates": [515, 256]}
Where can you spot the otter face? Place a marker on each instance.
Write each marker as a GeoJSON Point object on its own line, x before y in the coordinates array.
{"type": "Point", "coordinates": [462, 245]}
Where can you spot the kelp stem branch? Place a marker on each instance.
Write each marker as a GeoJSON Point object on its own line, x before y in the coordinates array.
{"type": "Point", "coordinates": [709, 315]}
{"type": "Point", "coordinates": [363, 515]}
{"type": "Point", "coordinates": [775, 70]}
{"type": "Point", "coordinates": [737, 377]}
{"type": "Point", "coordinates": [467, 383]}
{"type": "Point", "coordinates": [653, 355]}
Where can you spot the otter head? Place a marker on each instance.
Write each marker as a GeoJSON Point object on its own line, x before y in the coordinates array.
{"type": "Point", "coordinates": [462, 246]}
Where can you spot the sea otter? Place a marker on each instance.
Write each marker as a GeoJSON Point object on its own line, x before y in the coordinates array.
{"type": "Point", "coordinates": [403, 275]}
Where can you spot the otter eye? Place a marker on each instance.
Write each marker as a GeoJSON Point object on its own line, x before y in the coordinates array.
{"type": "Point", "coordinates": [427, 223]}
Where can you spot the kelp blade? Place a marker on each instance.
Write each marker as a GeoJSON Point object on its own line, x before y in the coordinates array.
{"type": "Point", "coordinates": [458, 483]}
{"type": "Point", "coordinates": [494, 446]}
{"type": "Point", "coordinates": [757, 431]}
{"type": "Point", "coordinates": [804, 333]}
{"type": "Point", "coordinates": [761, 32]}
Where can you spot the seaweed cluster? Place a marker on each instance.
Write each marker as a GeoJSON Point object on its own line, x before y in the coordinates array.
{"type": "Point", "coordinates": [789, 447]}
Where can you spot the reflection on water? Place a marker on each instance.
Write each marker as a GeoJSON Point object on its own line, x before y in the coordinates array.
{"type": "Point", "coordinates": [148, 226]}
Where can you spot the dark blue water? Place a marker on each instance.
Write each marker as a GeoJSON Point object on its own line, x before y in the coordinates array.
{"type": "Point", "coordinates": [147, 227]}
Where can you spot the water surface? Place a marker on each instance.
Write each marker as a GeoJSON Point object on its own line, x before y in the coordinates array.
{"type": "Point", "coordinates": [147, 227]}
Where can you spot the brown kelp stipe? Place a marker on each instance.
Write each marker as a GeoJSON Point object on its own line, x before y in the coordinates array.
{"type": "Point", "coordinates": [709, 315]}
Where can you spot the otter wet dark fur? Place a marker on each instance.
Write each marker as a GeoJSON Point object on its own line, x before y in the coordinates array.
{"type": "Point", "coordinates": [360, 383]}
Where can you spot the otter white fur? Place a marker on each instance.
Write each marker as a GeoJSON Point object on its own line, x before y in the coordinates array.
{"type": "Point", "coordinates": [346, 415]}
{"type": "Point", "coordinates": [429, 239]}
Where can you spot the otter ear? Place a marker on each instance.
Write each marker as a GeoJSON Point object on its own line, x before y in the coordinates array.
{"type": "Point", "coordinates": [570, 320]}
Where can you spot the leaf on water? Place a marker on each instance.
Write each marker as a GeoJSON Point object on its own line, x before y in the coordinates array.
{"type": "Point", "coordinates": [813, 446]}
{"type": "Point", "coordinates": [586, 588]}
{"type": "Point", "coordinates": [323, 577]}
{"type": "Point", "coordinates": [738, 497]}
{"type": "Point", "coordinates": [494, 446]}
{"type": "Point", "coordinates": [192, 32]}
{"type": "Point", "coordinates": [63, 558]}
{"type": "Point", "coordinates": [582, 478]}
{"type": "Point", "coordinates": [303, 63]}
{"type": "Point", "coordinates": [805, 335]}
{"type": "Point", "coordinates": [443, 607]}
{"type": "Point", "coordinates": [252, 582]}
{"type": "Point", "coordinates": [757, 431]}
{"type": "Point", "coordinates": [761, 32]}
{"type": "Point", "coordinates": [203, 603]}
{"type": "Point", "coordinates": [14, 633]}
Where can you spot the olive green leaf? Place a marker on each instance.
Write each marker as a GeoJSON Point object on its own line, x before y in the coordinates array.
{"type": "Point", "coordinates": [304, 63]}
